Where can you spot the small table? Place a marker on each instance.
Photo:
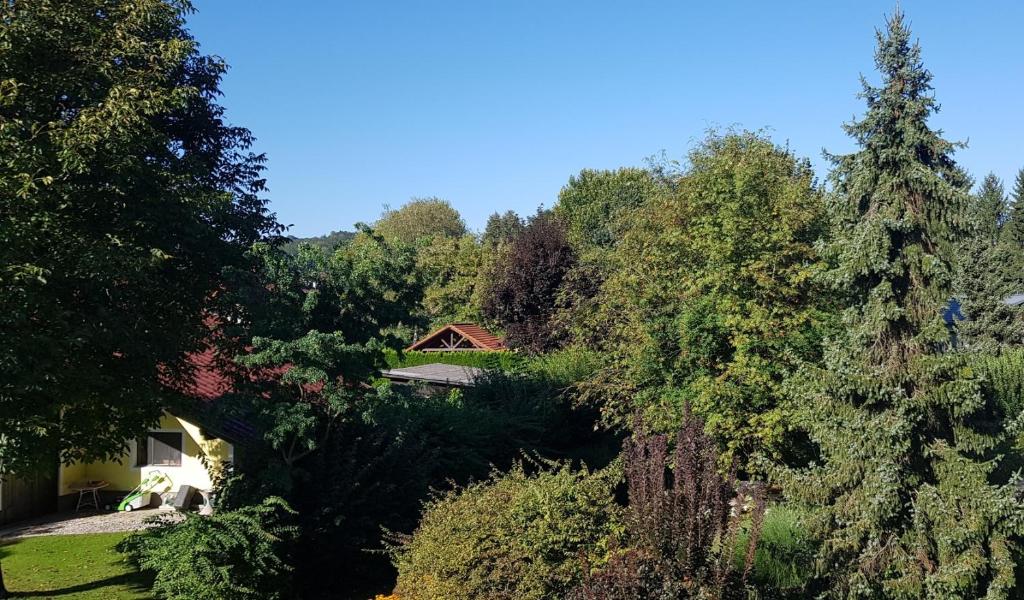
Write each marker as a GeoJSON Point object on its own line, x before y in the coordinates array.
{"type": "Point", "coordinates": [88, 493]}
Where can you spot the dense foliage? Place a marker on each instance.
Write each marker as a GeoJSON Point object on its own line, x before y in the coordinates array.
{"type": "Point", "coordinates": [515, 536]}
{"type": "Point", "coordinates": [523, 295]}
{"type": "Point", "coordinates": [990, 270]}
{"type": "Point", "coordinates": [328, 242]}
{"type": "Point", "coordinates": [596, 205]}
{"type": "Point", "coordinates": [681, 525]}
{"type": "Point", "coordinates": [234, 555]}
{"type": "Point", "coordinates": [906, 502]}
{"type": "Point", "coordinates": [421, 218]}
{"type": "Point", "coordinates": [711, 301]}
{"type": "Point", "coordinates": [123, 198]}
{"type": "Point", "coordinates": [784, 556]}
{"type": "Point", "coordinates": [454, 271]}
{"type": "Point", "coordinates": [398, 442]}
{"type": "Point", "coordinates": [318, 330]}
{"type": "Point", "coordinates": [730, 315]}
{"type": "Point", "coordinates": [1015, 220]}
{"type": "Point", "coordinates": [502, 228]}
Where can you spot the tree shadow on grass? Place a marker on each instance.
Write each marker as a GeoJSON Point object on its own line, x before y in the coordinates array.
{"type": "Point", "coordinates": [133, 582]}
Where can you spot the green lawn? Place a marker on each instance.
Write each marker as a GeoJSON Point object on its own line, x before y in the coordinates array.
{"type": "Point", "coordinates": [71, 566]}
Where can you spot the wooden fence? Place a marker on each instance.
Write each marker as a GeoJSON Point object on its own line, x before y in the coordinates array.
{"type": "Point", "coordinates": [27, 497]}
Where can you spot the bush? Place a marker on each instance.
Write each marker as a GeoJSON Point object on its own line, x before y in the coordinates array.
{"type": "Point", "coordinates": [516, 536]}
{"type": "Point", "coordinates": [362, 479]}
{"type": "Point", "coordinates": [783, 561]}
{"type": "Point", "coordinates": [681, 524]}
{"type": "Point", "coordinates": [564, 368]}
{"type": "Point", "coordinates": [235, 555]}
{"type": "Point", "coordinates": [1003, 379]}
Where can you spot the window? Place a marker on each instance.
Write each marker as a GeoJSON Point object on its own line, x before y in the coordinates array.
{"type": "Point", "coordinates": [159, 449]}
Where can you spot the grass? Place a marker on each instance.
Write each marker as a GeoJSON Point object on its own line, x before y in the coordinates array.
{"type": "Point", "coordinates": [785, 553]}
{"type": "Point", "coordinates": [85, 567]}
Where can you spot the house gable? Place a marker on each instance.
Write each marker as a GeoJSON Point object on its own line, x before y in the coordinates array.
{"type": "Point", "coordinates": [459, 337]}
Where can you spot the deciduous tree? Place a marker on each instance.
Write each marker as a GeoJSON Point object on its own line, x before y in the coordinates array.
{"type": "Point", "coordinates": [595, 204]}
{"type": "Point", "coordinates": [322, 330]}
{"type": "Point", "coordinates": [421, 219]}
{"type": "Point", "coordinates": [710, 296]}
{"type": "Point", "coordinates": [453, 271]}
{"type": "Point", "coordinates": [123, 196]}
{"type": "Point", "coordinates": [523, 296]}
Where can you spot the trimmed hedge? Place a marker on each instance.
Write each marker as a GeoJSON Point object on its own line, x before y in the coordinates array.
{"type": "Point", "coordinates": [506, 361]}
{"type": "Point", "coordinates": [563, 367]}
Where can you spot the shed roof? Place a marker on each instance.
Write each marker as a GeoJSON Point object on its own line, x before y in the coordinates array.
{"type": "Point", "coordinates": [455, 375]}
{"type": "Point", "coordinates": [1014, 300]}
{"type": "Point", "coordinates": [460, 337]}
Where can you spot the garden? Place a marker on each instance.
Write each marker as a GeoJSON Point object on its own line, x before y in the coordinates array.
{"type": "Point", "coordinates": [722, 377]}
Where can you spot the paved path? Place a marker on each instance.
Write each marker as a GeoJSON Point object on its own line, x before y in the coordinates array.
{"type": "Point", "coordinates": [86, 522]}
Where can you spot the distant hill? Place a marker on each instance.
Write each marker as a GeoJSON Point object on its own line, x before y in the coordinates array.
{"type": "Point", "coordinates": [328, 241]}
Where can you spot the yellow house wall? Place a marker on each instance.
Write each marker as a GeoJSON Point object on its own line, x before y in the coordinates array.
{"type": "Point", "coordinates": [123, 475]}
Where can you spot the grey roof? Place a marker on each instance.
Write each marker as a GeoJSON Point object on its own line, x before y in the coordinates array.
{"type": "Point", "coordinates": [1014, 300]}
{"type": "Point", "coordinates": [436, 373]}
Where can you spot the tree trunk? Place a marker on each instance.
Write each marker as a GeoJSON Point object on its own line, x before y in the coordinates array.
{"type": "Point", "coordinates": [3, 590]}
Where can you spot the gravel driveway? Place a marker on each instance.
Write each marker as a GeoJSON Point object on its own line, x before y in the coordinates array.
{"type": "Point", "coordinates": [87, 522]}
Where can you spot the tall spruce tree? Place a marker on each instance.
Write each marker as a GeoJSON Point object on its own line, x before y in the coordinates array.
{"type": "Point", "coordinates": [901, 491]}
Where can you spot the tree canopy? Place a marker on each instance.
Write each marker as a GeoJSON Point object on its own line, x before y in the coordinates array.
{"type": "Point", "coordinates": [523, 294]}
{"type": "Point", "coordinates": [990, 270]}
{"type": "Point", "coordinates": [711, 294]}
{"type": "Point", "coordinates": [502, 228]}
{"type": "Point", "coordinates": [454, 272]}
{"type": "Point", "coordinates": [595, 204]}
{"type": "Point", "coordinates": [124, 195]}
{"type": "Point", "coordinates": [321, 324]}
{"type": "Point", "coordinates": [421, 219]}
{"type": "Point", "coordinates": [1015, 221]}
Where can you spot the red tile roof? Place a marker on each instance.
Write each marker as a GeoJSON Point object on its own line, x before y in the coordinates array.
{"type": "Point", "coordinates": [480, 338]}
{"type": "Point", "coordinates": [209, 380]}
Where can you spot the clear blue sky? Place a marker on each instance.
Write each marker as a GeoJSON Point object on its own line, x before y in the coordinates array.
{"type": "Point", "coordinates": [494, 104]}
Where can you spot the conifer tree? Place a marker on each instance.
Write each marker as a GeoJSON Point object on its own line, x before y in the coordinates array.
{"type": "Point", "coordinates": [989, 210]}
{"type": "Point", "coordinates": [1015, 223]}
{"type": "Point", "coordinates": [901, 489]}
{"type": "Point", "coordinates": [991, 268]}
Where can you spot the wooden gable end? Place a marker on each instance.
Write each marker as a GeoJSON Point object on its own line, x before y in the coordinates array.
{"type": "Point", "coordinates": [459, 337]}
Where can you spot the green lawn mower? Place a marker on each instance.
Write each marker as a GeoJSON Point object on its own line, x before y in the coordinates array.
{"type": "Point", "coordinates": [141, 496]}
